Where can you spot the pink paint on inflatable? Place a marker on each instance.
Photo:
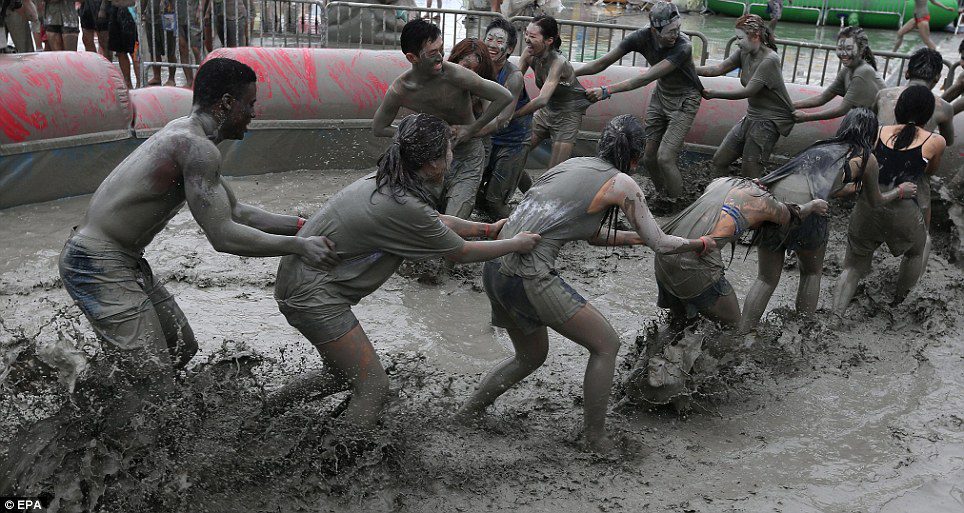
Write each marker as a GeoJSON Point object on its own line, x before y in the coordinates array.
{"type": "Point", "coordinates": [155, 107]}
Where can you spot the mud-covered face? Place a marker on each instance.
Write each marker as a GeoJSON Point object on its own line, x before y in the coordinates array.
{"type": "Point", "coordinates": [238, 112]}
{"type": "Point", "coordinates": [848, 52]}
{"type": "Point", "coordinates": [470, 62]}
{"type": "Point", "coordinates": [668, 35]}
{"type": "Point", "coordinates": [748, 43]}
{"type": "Point", "coordinates": [496, 40]}
{"type": "Point", "coordinates": [535, 42]}
{"type": "Point", "coordinates": [429, 58]}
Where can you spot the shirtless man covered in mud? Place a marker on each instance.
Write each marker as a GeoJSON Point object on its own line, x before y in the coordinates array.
{"type": "Point", "coordinates": [690, 284]}
{"type": "Point", "coordinates": [444, 89]}
{"type": "Point", "coordinates": [922, 22]}
{"type": "Point", "coordinates": [857, 82]}
{"type": "Point", "coordinates": [675, 100]}
{"type": "Point", "coordinates": [923, 68]}
{"type": "Point", "coordinates": [102, 264]}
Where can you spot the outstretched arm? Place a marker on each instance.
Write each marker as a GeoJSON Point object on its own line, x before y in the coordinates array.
{"type": "Point", "coordinates": [815, 101]}
{"type": "Point", "coordinates": [752, 88]}
{"type": "Point", "coordinates": [515, 84]}
{"type": "Point", "coordinates": [479, 251]}
{"type": "Point", "coordinates": [942, 6]}
{"type": "Point", "coordinates": [548, 88]}
{"type": "Point", "coordinates": [212, 207]}
{"type": "Point", "coordinates": [499, 98]}
{"type": "Point", "coordinates": [600, 64]}
{"type": "Point", "coordinates": [466, 229]}
{"type": "Point", "coordinates": [652, 74]}
{"type": "Point", "coordinates": [382, 122]}
{"type": "Point", "coordinates": [720, 69]}
{"type": "Point", "coordinates": [278, 224]}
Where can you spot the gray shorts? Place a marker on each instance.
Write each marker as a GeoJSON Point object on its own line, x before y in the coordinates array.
{"type": "Point", "coordinates": [527, 304]}
{"type": "Point", "coordinates": [754, 139]}
{"type": "Point", "coordinates": [899, 224]}
{"type": "Point", "coordinates": [669, 118]}
{"type": "Point", "coordinates": [693, 305]}
{"type": "Point", "coordinates": [117, 291]}
{"type": "Point", "coordinates": [320, 324]}
{"type": "Point", "coordinates": [461, 183]}
{"type": "Point", "coordinates": [557, 125]}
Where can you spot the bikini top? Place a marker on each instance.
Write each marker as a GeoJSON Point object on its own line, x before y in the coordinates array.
{"type": "Point", "coordinates": [741, 222]}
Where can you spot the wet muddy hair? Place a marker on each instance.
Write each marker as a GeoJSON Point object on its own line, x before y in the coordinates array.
{"type": "Point", "coordinates": [754, 25]}
{"type": "Point", "coordinates": [925, 64]}
{"type": "Point", "coordinates": [860, 39]}
{"type": "Point", "coordinates": [474, 46]}
{"type": "Point", "coordinates": [416, 33]}
{"type": "Point", "coordinates": [513, 34]}
{"type": "Point", "coordinates": [549, 28]}
{"type": "Point", "coordinates": [858, 129]}
{"type": "Point", "coordinates": [621, 142]}
{"type": "Point", "coordinates": [220, 76]}
{"type": "Point", "coordinates": [420, 139]}
{"type": "Point", "coordinates": [914, 109]}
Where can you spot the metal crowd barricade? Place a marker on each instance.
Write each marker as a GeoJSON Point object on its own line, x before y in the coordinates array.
{"type": "Point", "coordinates": [290, 23]}
{"type": "Point", "coordinates": [816, 63]}
{"type": "Point", "coordinates": [377, 26]}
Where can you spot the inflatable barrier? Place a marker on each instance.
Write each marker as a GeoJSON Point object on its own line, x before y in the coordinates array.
{"type": "Point", "coordinates": [808, 11]}
{"type": "Point", "coordinates": [314, 111]}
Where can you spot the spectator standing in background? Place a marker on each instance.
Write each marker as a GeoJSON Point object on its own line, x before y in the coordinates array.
{"type": "Point", "coordinates": [62, 24]}
{"type": "Point", "coordinates": [92, 25]}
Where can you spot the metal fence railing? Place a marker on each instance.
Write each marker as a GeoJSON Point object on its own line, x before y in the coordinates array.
{"type": "Point", "coordinates": [817, 63]}
{"type": "Point", "coordinates": [825, 12]}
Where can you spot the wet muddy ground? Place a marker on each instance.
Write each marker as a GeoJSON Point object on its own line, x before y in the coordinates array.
{"type": "Point", "coordinates": [867, 417]}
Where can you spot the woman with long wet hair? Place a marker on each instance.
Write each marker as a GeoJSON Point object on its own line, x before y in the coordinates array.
{"type": "Point", "coordinates": [576, 200]}
{"type": "Point", "coordinates": [905, 152]}
{"type": "Point", "coordinates": [833, 168]}
{"type": "Point", "coordinates": [376, 223]}
{"type": "Point", "coordinates": [562, 101]}
{"type": "Point", "coordinates": [857, 81]}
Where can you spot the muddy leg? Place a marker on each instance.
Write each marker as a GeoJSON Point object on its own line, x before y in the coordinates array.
{"type": "Point", "coordinates": [352, 362]}
{"type": "Point", "coordinates": [722, 160]}
{"type": "Point", "coordinates": [591, 330]}
{"type": "Point", "coordinates": [901, 32]}
{"type": "Point", "coordinates": [855, 268]}
{"type": "Point", "coordinates": [769, 270]}
{"type": "Point", "coordinates": [925, 34]}
{"type": "Point", "coordinates": [560, 153]}
{"type": "Point", "coordinates": [725, 310]}
{"type": "Point", "coordinates": [177, 331]}
{"type": "Point", "coordinates": [911, 268]}
{"type": "Point", "coordinates": [530, 354]}
{"type": "Point", "coordinates": [811, 271]}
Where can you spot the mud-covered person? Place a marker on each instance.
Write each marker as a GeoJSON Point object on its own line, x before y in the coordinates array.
{"type": "Point", "coordinates": [674, 101]}
{"type": "Point", "coordinates": [690, 284]}
{"type": "Point", "coordinates": [577, 200]}
{"type": "Point", "coordinates": [832, 168]}
{"type": "Point", "coordinates": [769, 111]}
{"type": "Point", "coordinates": [473, 55]}
{"type": "Point", "coordinates": [443, 89]}
{"type": "Point", "coordinates": [561, 103]}
{"type": "Point", "coordinates": [857, 82]}
{"type": "Point", "coordinates": [923, 68]}
{"type": "Point", "coordinates": [376, 223]}
{"type": "Point", "coordinates": [905, 152]}
{"type": "Point", "coordinates": [102, 264]}
{"type": "Point", "coordinates": [922, 22]}
{"type": "Point", "coordinates": [505, 166]}
{"type": "Point", "coordinates": [954, 92]}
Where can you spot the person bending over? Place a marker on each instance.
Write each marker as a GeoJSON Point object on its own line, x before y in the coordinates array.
{"type": "Point", "coordinates": [857, 82]}
{"type": "Point", "coordinates": [376, 222]}
{"type": "Point", "coordinates": [904, 152]}
{"type": "Point", "coordinates": [562, 101]}
{"type": "Point", "coordinates": [443, 89]}
{"type": "Point", "coordinates": [770, 110]}
{"type": "Point", "coordinates": [691, 284]}
{"type": "Point", "coordinates": [674, 101]}
{"type": "Point", "coordinates": [836, 167]}
{"type": "Point", "coordinates": [576, 200]}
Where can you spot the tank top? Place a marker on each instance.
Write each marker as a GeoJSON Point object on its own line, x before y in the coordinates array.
{"type": "Point", "coordinates": [517, 131]}
{"type": "Point", "coordinates": [899, 166]}
{"type": "Point", "coordinates": [568, 96]}
{"type": "Point", "coordinates": [555, 208]}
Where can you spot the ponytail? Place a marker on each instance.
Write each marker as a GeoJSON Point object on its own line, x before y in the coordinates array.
{"type": "Point", "coordinates": [753, 24]}
{"type": "Point", "coordinates": [621, 142]}
{"type": "Point", "coordinates": [549, 28]}
{"type": "Point", "coordinates": [862, 42]}
{"type": "Point", "coordinates": [914, 108]}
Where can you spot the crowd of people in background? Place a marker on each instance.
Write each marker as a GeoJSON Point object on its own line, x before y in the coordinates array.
{"type": "Point", "coordinates": [173, 31]}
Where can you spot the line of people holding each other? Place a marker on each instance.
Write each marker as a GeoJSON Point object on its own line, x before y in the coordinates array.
{"type": "Point", "coordinates": [354, 243]}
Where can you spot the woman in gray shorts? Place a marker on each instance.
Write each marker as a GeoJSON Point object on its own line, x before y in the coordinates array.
{"type": "Point", "coordinates": [834, 168]}
{"type": "Point", "coordinates": [572, 201]}
{"type": "Point", "coordinates": [562, 101]}
{"type": "Point", "coordinates": [375, 224]}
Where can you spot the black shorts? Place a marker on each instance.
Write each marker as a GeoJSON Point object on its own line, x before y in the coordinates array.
{"type": "Point", "coordinates": [811, 234]}
{"type": "Point", "coordinates": [693, 305]}
{"type": "Point", "coordinates": [60, 29]}
{"type": "Point", "coordinates": [89, 19]}
{"type": "Point", "coordinates": [122, 30]}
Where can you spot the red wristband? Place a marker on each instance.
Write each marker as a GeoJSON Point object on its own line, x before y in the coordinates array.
{"type": "Point", "coordinates": [487, 227]}
{"type": "Point", "coordinates": [900, 192]}
{"type": "Point", "coordinates": [301, 223]}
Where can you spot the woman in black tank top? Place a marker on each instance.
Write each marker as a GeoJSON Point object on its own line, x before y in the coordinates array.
{"type": "Point", "coordinates": [906, 154]}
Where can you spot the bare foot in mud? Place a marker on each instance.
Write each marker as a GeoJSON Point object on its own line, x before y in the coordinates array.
{"type": "Point", "coordinates": [599, 444]}
{"type": "Point", "coordinates": [467, 417]}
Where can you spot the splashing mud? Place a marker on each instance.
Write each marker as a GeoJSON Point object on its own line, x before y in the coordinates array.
{"type": "Point", "coordinates": [802, 417]}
